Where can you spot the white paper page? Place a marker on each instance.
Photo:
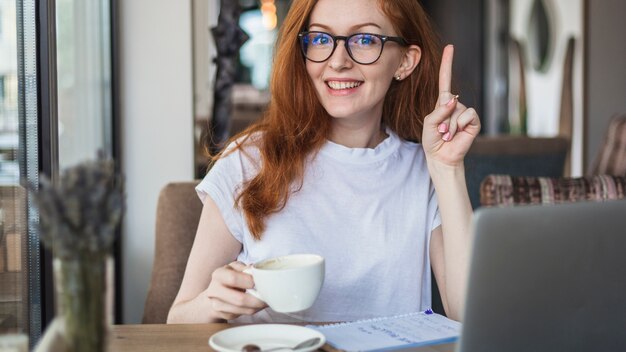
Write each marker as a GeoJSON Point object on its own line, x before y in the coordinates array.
{"type": "Point", "coordinates": [415, 329]}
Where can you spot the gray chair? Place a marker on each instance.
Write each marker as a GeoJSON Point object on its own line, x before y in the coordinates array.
{"type": "Point", "coordinates": [606, 181]}
{"type": "Point", "coordinates": [515, 156]}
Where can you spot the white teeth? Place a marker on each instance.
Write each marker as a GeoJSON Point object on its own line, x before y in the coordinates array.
{"type": "Point", "coordinates": [343, 85]}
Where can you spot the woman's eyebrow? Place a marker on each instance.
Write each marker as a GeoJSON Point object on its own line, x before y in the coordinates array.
{"type": "Point", "coordinates": [357, 26]}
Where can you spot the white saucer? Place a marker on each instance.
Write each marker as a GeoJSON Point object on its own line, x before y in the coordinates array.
{"type": "Point", "coordinates": [265, 336]}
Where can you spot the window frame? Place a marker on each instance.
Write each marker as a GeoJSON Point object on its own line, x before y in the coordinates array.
{"type": "Point", "coordinates": [38, 143]}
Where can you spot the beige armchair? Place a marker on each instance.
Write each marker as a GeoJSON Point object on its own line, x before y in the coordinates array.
{"type": "Point", "coordinates": [178, 213]}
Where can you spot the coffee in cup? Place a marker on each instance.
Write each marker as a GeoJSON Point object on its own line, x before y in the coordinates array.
{"type": "Point", "coordinates": [289, 283]}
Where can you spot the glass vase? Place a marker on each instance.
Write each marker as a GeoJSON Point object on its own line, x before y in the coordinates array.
{"type": "Point", "coordinates": [84, 301]}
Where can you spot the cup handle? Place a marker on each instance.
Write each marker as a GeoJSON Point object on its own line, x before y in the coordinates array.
{"type": "Point", "coordinates": [252, 291]}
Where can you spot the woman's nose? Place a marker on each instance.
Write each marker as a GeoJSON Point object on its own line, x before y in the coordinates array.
{"type": "Point", "coordinates": [340, 59]}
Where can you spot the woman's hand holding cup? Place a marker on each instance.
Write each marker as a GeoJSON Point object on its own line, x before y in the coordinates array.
{"type": "Point", "coordinates": [289, 283]}
{"type": "Point", "coordinates": [227, 293]}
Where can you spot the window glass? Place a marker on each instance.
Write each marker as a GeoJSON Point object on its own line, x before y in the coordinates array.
{"type": "Point", "coordinates": [84, 79]}
{"type": "Point", "coordinates": [256, 54]}
{"type": "Point", "coordinates": [83, 48]}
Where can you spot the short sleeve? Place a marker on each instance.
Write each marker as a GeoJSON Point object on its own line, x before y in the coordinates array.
{"type": "Point", "coordinates": [433, 208]}
{"type": "Point", "coordinates": [222, 184]}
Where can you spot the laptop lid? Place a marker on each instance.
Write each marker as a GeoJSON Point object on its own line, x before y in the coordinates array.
{"type": "Point", "coordinates": [547, 278]}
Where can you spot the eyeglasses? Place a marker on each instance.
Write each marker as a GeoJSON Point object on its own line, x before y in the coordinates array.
{"type": "Point", "coordinates": [363, 48]}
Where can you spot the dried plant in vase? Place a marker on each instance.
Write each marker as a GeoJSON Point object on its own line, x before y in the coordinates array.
{"type": "Point", "coordinates": [79, 215]}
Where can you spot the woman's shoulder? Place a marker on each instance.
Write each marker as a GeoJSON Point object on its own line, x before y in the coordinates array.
{"type": "Point", "coordinates": [413, 152]}
{"type": "Point", "coordinates": [408, 145]}
{"type": "Point", "coordinates": [239, 161]}
{"type": "Point", "coordinates": [245, 147]}
{"type": "Point", "coordinates": [246, 142]}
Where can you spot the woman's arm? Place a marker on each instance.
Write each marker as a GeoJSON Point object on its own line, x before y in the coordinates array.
{"type": "Point", "coordinates": [448, 134]}
{"type": "Point", "coordinates": [213, 287]}
{"type": "Point", "coordinates": [451, 242]}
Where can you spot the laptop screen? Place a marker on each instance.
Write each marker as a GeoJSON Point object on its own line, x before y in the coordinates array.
{"type": "Point", "coordinates": [547, 278]}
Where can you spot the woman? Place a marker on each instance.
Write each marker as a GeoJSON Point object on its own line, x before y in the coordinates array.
{"type": "Point", "coordinates": [335, 168]}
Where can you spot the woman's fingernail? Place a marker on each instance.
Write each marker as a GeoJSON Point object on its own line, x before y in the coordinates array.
{"type": "Point", "coordinates": [446, 137]}
{"type": "Point", "coordinates": [452, 100]}
{"type": "Point", "coordinates": [443, 128]}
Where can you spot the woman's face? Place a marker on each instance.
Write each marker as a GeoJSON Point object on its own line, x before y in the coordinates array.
{"type": "Point", "coordinates": [346, 89]}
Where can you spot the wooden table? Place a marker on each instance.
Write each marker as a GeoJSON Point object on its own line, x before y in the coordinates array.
{"type": "Point", "coordinates": [188, 337]}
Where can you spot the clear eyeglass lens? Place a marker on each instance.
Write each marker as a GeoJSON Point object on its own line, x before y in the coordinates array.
{"type": "Point", "coordinates": [318, 46]}
{"type": "Point", "coordinates": [365, 47]}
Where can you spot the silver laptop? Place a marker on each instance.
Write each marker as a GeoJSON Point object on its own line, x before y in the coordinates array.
{"type": "Point", "coordinates": [547, 278]}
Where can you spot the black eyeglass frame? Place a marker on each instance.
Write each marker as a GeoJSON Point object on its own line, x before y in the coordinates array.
{"type": "Point", "coordinates": [337, 38]}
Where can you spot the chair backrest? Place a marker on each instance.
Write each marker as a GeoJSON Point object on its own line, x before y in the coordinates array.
{"type": "Point", "coordinates": [611, 159]}
{"type": "Point", "coordinates": [515, 156]}
{"type": "Point", "coordinates": [177, 216]}
{"type": "Point", "coordinates": [506, 190]}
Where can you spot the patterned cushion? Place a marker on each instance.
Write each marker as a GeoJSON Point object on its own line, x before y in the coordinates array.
{"type": "Point", "coordinates": [508, 190]}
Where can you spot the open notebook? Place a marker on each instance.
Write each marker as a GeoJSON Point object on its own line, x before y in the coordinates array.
{"type": "Point", "coordinates": [387, 333]}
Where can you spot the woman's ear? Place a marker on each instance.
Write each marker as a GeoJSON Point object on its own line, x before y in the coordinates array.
{"type": "Point", "coordinates": [410, 60]}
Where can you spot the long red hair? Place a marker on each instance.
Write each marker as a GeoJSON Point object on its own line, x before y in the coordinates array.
{"type": "Point", "coordinates": [295, 126]}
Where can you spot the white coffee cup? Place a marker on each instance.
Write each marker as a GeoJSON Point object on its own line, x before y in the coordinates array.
{"type": "Point", "coordinates": [289, 283]}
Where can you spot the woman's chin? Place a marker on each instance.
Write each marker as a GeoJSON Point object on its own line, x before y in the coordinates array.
{"type": "Point", "coordinates": [340, 112]}
{"type": "Point", "coordinates": [351, 114]}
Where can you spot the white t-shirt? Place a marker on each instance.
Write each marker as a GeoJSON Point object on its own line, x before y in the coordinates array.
{"type": "Point", "coordinates": [368, 212]}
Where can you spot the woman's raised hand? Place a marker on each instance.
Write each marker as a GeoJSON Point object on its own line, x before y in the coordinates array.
{"type": "Point", "coordinates": [451, 128]}
{"type": "Point", "coordinates": [227, 292]}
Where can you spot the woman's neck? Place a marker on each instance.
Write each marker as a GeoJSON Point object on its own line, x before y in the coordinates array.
{"type": "Point", "coordinates": [358, 136]}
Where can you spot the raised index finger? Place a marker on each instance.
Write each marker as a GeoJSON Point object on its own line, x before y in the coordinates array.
{"type": "Point", "coordinates": [445, 71]}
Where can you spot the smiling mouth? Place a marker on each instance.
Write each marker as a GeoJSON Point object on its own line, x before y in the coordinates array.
{"type": "Point", "coordinates": [337, 85]}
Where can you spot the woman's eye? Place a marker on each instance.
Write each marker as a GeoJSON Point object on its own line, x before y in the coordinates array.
{"type": "Point", "coordinates": [320, 40]}
{"type": "Point", "coordinates": [365, 40]}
